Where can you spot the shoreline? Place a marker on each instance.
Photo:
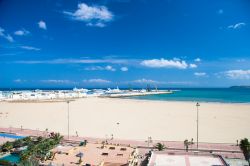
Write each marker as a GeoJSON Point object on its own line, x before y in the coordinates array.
{"type": "Point", "coordinates": [123, 98]}
{"type": "Point", "coordinates": [185, 101]}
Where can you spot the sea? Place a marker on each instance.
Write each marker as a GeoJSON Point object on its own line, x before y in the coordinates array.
{"type": "Point", "coordinates": [221, 95]}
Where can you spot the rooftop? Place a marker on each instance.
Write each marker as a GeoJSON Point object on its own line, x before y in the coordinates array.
{"type": "Point", "coordinates": [93, 154]}
{"type": "Point", "coordinates": [185, 159]}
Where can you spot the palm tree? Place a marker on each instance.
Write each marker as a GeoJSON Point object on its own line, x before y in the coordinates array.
{"type": "Point", "coordinates": [160, 146]}
{"type": "Point", "coordinates": [56, 137]}
{"type": "Point", "coordinates": [245, 147]}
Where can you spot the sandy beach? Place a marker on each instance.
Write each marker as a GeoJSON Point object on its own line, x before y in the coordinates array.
{"type": "Point", "coordinates": [132, 119]}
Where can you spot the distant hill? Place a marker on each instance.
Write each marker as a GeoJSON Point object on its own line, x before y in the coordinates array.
{"type": "Point", "coordinates": [240, 87]}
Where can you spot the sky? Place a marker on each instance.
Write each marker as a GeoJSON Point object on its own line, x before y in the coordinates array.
{"type": "Point", "coordinates": [125, 43]}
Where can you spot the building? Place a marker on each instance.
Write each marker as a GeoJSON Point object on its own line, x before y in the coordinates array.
{"type": "Point", "coordinates": [185, 159]}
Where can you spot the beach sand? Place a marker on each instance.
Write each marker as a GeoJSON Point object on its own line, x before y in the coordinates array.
{"type": "Point", "coordinates": [132, 119]}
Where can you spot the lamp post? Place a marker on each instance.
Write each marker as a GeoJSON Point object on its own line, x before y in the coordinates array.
{"type": "Point", "coordinates": [197, 120]}
{"type": "Point", "coordinates": [68, 118]}
{"type": "Point", "coordinates": [118, 123]}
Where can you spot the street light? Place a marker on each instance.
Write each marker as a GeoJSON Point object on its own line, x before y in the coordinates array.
{"type": "Point", "coordinates": [197, 120]}
{"type": "Point", "coordinates": [118, 123]}
{"type": "Point", "coordinates": [68, 118]}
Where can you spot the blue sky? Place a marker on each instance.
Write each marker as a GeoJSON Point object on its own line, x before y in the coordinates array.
{"type": "Point", "coordinates": [104, 43]}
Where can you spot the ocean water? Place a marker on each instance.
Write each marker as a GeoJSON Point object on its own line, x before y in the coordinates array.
{"type": "Point", "coordinates": [222, 95]}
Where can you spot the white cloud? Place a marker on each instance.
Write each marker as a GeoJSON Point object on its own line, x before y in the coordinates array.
{"type": "Point", "coordinates": [57, 81]}
{"type": "Point", "coordinates": [93, 15]}
{"type": "Point", "coordinates": [94, 68]}
{"type": "Point", "coordinates": [99, 24]}
{"type": "Point", "coordinates": [110, 68]}
{"type": "Point", "coordinates": [192, 65]}
{"type": "Point", "coordinates": [197, 60]}
{"type": "Point", "coordinates": [164, 63]}
{"type": "Point", "coordinates": [143, 80]}
{"type": "Point", "coordinates": [97, 80]}
{"type": "Point", "coordinates": [124, 69]}
{"type": "Point", "coordinates": [22, 32]}
{"type": "Point", "coordinates": [19, 80]}
{"type": "Point", "coordinates": [237, 26]}
{"type": "Point", "coordinates": [42, 25]}
{"type": "Point", "coordinates": [237, 74]}
{"type": "Point", "coordinates": [149, 81]}
{"type": "Point", "coordinates": [200, 74]}
{"type": "Point", "coordinates": [6, 36]}
{"type": "Point", "coordinates": [30, 48]}
{"type": "Point", "coordinates": [76, 61]}
{"type": "Point", "coordinates": [9, 38]}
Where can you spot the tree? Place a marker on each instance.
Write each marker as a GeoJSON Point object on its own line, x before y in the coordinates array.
{"type": "Point", "coordinates": [29, 162]}
{"type": "Point", "coordinates": [56, 137]}
{"type": "Point", "coordinates": [160, 146]}
{"type": "Point", "coordinates": [245, 147]}
{"type": "Point", "coordinates": [7, 146]}
{"type": "Point", "coordinates": [18, 143]}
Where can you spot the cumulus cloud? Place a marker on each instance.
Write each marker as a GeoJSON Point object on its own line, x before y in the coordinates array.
{"type": "Point", "coordinates": [197, 60]}
{"type": "Point", "coordinates": [110, 68]}
{"type": "Point", "coordinates": [237, 74]}
{"type": "Point", "coordinates": [164, 63]}
{"type": "Point", "coordinates": [5, 35]}
{"type": "Point", "coordinates": [22, 32]}
{"type": "Point", "coordinates": [30, 48]}
{"type": "Point", "coordinates": [237, 26]}
{"type": "Point", "coordinates": [42, 25]}
{"type": "Point", "coordinates": [96, 15]}
{"type": "Point", "coordinates": [200, 74]}
{"type": "Point", "coordinates": [124, 69]}
{"type": "Point", "coordinates": [97, 80]}
{"type": "Point", "coordinates": [192, 65]}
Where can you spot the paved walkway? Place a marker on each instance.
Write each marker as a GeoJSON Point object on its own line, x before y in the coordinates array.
{"type": "Point", "coordinates": [226, 150]}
